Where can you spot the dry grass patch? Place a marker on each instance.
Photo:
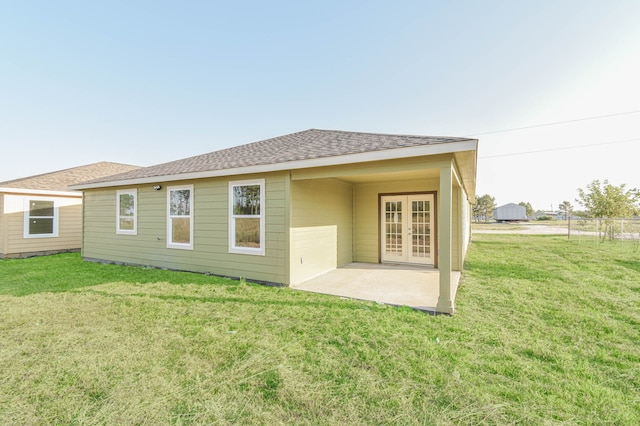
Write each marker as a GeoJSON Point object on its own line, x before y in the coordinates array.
{"type": "Point", "coordinates": [495, 226]}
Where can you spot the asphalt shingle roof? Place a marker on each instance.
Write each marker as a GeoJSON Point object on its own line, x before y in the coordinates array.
{"type": "Point", "coordinates": [305, 145]}
{"type": "Point", "coordinates": [60, 180]}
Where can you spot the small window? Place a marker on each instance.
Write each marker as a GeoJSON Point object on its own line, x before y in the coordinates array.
{"type": "Point", "coordinates": [40, 218]}
{"type": "Point", "coordinates": [127, 207]}
{"type": "Point", "coordinates": [180, 217]}
{"type": "Point", "coordinates": [246, 217]}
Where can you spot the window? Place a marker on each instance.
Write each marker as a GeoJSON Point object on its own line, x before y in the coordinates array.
{"type": "Point", "coordinates": [246, 217]}
{"type": "Point", "coordinates": [127, 212]}
{"type": "Point", "coordinates": [40, 218]}
{"type": "Point", "coordinates": [180, 217]}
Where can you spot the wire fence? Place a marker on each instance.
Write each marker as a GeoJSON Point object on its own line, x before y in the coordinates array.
{"type": "Point", "coordinates": [594, 230]}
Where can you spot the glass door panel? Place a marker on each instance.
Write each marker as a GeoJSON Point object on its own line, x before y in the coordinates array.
{"type": "Point", "coordinates": [393, 240]}
{"type": "Point", "coordinates": [420, 230]}
{"type": "Point", "coordinates": [407, 228]}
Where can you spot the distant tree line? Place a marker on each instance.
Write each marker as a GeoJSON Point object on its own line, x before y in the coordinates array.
{"type": "Point", "coordinates": [483, 209]}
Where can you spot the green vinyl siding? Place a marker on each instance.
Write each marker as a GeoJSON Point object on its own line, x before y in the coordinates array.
{"type": "Point", "coordinates": [3, 232]}
{"type": "Point", "coordinates": [321, 227]}
{"type": "Point", "coordinates": [461, 227]}
{"type": "Point", "coordinates": [210, 252]}
{"type": "Point", "coordinates": [456, 229]}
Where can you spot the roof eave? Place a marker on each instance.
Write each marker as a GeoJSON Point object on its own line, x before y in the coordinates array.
{"type": "Point", "coordinates": [470, 179]}
{"type": "Point", "coordinates": [388, 154]}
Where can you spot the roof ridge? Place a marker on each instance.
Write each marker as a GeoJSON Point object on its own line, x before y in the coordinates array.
{"type": "Point", "coordinates": [404, 135]}
{"type": "Point", "coordinates": [227, 148]}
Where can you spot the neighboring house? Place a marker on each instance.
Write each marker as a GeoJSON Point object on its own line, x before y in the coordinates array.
{"type": "Point", "coordinates": [546, 214]}
{"type": "Point", "coordinates": [40, 215]}
{"type": "Point", "coordinates": [510, 213]}
{"type": "Point", "coordinates": [290, 208]}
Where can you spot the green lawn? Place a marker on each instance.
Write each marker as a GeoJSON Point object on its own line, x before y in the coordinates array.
{"type": "Point", "coordinates": [546, 332]}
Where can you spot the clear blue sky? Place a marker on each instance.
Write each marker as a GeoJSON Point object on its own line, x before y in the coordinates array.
{"type": "Point", "coordinates": [149, 82]}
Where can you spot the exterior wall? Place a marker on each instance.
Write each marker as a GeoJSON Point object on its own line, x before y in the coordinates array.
{"type": "Point", "coordinates": [321, 227]}
{"type": "Point", "coordinates": [466, 225]}
{"type": "Point", "coordinates": [456, 229]}
{"type": "Point", "coordinates": [210, 252]}
{"type": "Point", "coordinates": [461, 220]}
{"type": "Point", "coordinates": [316, 220]}
{"type": "Point", "coordinates": [3, 233]}
{"type": "Point", "coordinates": [461, 230]}
{"type": "Point", "coordinates": [367, 221]}
{"type": "Point", "coordinates": [14, 244]}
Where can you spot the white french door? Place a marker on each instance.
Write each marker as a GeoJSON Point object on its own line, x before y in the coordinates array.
{"type": "Point", "coordinates": [407, 228]}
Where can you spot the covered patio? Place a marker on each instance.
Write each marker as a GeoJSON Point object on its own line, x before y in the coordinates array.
{"type": "Point", "coordinates": [391, 231]}
{"type": "Point", "coordinates": [399, 285]}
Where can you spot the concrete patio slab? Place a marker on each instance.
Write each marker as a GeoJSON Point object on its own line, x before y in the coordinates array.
{"type": "Point", "coordinates": [402, 285]}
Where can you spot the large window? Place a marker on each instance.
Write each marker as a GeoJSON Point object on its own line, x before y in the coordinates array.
{"type": "Point", "coordinates": [127, 212]}
{"type": "Point", "coordinates": [40, 218]}
{"type": "Point", "coordinates": [180, 217]}
{"type": "Point", "coordinates": [246, 217]}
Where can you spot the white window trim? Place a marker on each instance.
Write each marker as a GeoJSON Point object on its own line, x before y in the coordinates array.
{"type": "Point", "coordinates": [170, 244]}
{"type": "Point", "coordinates": [133, 231]}
{"type": "Point", "coordinates": [260, 251]}
{"type": "Point", "coordinates": [27, 216]}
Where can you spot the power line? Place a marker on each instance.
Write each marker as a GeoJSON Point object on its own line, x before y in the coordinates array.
{"type": "Point", "coordinates": [555, 123]}
{"type": "Point", "coordinates": [560, 149]}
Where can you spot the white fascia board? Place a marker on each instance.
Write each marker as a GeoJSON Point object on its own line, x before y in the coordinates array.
{"type": "Point", "coordinates": [388, 154]}
{"type": "Point", "coordinates": [21, 191]}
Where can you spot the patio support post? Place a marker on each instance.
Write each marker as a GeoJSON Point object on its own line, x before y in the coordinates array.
{"type": "Point", "coordinates": [445, 301]}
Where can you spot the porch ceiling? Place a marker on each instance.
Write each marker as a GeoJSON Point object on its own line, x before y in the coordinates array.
{"type": "Point", "coordinates": [390, 176]}
{"type": "Point", "coordinates": [419, 168]}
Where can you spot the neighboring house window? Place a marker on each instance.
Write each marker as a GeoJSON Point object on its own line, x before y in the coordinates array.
{"type": "Point", "coordinates": [246, 217]}
{"type": "Point", "coordinates": [127, 220]}
{"type": "Point", "coordinates": [40, 218]}
{"type": "Point", "coordinates": [180, 217]}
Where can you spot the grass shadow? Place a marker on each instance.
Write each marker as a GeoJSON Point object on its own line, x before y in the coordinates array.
{"type": "Point", "coordinates": [67, 271]}
{"type": "Point", "coordinates": [298, 300]}
{"type": "Point", "coordinates": [629, 264]}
